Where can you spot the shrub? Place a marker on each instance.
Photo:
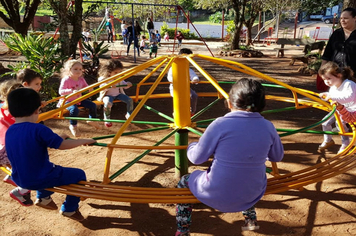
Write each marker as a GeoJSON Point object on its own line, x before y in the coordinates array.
{"type": "Point", "coordinates": [186, 32]}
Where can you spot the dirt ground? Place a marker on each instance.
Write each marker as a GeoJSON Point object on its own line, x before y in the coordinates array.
{"type": "Point", "coordinates": [324, 208]}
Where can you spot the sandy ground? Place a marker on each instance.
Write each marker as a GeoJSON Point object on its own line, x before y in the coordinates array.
{"type": "Point", "coordinates": [324, 208]}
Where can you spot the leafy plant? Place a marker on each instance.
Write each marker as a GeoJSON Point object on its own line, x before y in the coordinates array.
{"type": "Point", "coordinates": [186, 32]}
{"type": "Point", "coordinates": [42, 54]}
{"type": "Point", "coordinates": [94, 52]}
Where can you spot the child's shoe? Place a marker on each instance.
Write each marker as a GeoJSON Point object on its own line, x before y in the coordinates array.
{"type": "Point", "coordinates": [46, 203]}
{"type": "Point", "coordinates": [9, 180]}
{"type": "Point", "coordinates": [342, 148]}
{"type": "Point", "coordinates": [108, 124]}
{"type": "Point", "coordinates": [250, 225]}
{"type": "Point", "coordinates": [74, 215]}
{"type": "Point", "coordinates": [178, 233]}
{"type": "Point", "coordinates": [23, 199]}
{"type": "Point", "coordinates": [94, 124]}
{"type": "Point", "coordinates": [74, 130]}
{"type": "Point", "coordinates": [127, 116]}
{"type": "Point", "coordinates": [325, 145]}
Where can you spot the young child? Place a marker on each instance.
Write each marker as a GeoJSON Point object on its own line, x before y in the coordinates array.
{"type": "Point", "coordinates": [73, 81]}
{"type": "Point", "coordinates": [166, 37]}
{"type": "Point", "coordinates": [158, 37]}
{"type": "Point", "coordinates": [22, 195]}
{"type": "Point", "coordinates": [153, 43]}
{"type": "Point", "coordinates": [113, 93]}
{"type": "Point", "coordinates": [143, 44]}
{"type": "Point", "coordinates": [236, 159]}
{"type": "Point", "coordinates": [180, 38]}
{"type": "Point", "coordinates": [342, 90]}
{"type": "Point", "coordinates": [30, 79]}
{"type": "Point", "coordinates": [26, 146]}
{"type": "Point", "coordinates": [194, 79]}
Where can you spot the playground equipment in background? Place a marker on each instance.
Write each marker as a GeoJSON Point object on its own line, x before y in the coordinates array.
{"type": "Point", "coordinates": [181, 123]}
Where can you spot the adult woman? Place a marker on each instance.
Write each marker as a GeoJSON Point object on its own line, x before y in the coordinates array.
{"type": "Point", "coordinates": [341, 47]}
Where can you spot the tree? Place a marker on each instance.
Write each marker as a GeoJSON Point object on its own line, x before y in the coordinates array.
{"type": "Point", "coordinates": [13, 16]}
{"type": "Point", "coordinates": [349, 3]}
{"type": "Point", "coordinates": [253, 9]}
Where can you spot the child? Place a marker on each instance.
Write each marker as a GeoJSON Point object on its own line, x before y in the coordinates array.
{"type": "Point", "coordinates": [73, 81]}
{"type": "Point", "coordinates": [343, 91]}
{"type": "Point", "coordinates": [193, 79]}
{"type": "Point", "coordinates": [30, 79]}
{"type": "Point", "coordinates": [26, 146]}
{"type": "Point", "coordinates": [22, 195]}
{"type": "Point", "coordinates": [180, 38]}
{"type": "Point", "coordinates": [113, 93]}
{"type": "Point", "coordinates": [143, 44]}
{"type": "Point", "coordinates": [153, 43]}
{"type": "Point", "coordinates": [158, 36]}
{"type": "Point", "coordinates": [236, 158]}
{"type": "Point", "coordinates": [166, 36]}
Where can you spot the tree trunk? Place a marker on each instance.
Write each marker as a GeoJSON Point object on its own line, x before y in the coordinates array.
{"type": "Point", "coordinates": [349, 3]}
{"type": "Point", "coordinates": [239, 8]}
{"type": "Point", "coordinates": [77, 26]}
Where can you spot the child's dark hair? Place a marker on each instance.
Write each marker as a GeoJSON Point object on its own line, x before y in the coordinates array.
{"type": "Point", "coordinates": [27, 75]}
{"type": "Point", "coordinates": [108, 67]}
{"type": "Point", "coordinates": [23, 102]}
{"type": "Point", "coordinates": [335, 70]}
{"type": "Point", "coordinates": [185, 51]}
{"type": "Point", "coordinates": [248, 94]}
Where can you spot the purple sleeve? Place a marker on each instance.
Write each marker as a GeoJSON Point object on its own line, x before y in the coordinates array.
{"type": "Point", "coordinates": [276, 151]}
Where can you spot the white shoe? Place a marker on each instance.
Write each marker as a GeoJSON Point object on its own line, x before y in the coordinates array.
{"type": "Point", "coordinates": [342, 148]}
{"type": "Point", "coordinates": [127, 116]}
{"type": "Point", "coordinates": [74, 130]}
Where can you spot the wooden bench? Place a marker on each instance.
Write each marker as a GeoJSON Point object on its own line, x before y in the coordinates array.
{"type": "Point", "coordinates": [309, 51]}
{"type": "Point", "coordinates": [294, 42]}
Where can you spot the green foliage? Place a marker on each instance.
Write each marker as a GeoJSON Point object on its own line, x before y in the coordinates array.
{"type": "Point", "coordinates": [95, 51]}
{"type": "Point", "coordinates": [217, 17]}
{"type": "Point", "coordinates": [42, 54]}
{"type": "Point", "coordinates": [186, 32]}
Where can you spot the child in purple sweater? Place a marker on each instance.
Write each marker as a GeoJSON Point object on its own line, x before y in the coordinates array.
{"type": "Point", "coordinates": [241, 142]}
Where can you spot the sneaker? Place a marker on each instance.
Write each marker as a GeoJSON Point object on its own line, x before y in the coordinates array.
{"type": "Point", "coordinates": [94, 124]}
{"type": "Point", "coordinates": [108, 124]}
{"type": "Point", "coordinates": [127, 116]}
{"type": "Point", "coordinates": [23, 199]}
{"type": "Point", "coordinates": [250, 225]}
{"type": "Point", "coordinates": [342, 148]}
{"type": "Point", "coordinates": [46, 203]}
{"type": "Point", "coordinates": [178, 233]}
{"type": "Point", "coordinates": [326, 145]}
{"type": "Point", "coordinates": [9, 180]}
{"type": "Point", "coordinates": [74, 215]}
{"type": "Point", "coordinates": [74, 130]}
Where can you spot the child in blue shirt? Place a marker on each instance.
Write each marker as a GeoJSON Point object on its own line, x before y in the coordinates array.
{"type": "Point", "coordinates": [158, 37]}
{"type": "Point", "coordinates": [26, 144]}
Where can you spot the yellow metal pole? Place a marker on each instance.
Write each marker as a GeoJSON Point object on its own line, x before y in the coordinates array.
{"type": "Point", "coordinates": [181, 92]}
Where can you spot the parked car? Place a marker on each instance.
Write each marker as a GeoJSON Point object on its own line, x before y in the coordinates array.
{"type": "Point", "coordinates": [329, 19]}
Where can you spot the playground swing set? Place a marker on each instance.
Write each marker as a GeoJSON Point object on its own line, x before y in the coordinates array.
{"type": "Point", "coordinates": [182, 123]}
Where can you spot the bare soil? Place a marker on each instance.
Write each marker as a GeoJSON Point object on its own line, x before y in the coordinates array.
{"type": "Point", "coordinates": [324, 208]}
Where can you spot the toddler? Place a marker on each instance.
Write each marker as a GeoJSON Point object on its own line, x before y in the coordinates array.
{"type": "Point", "coordinates": [342, 90]}
{"type": "Point", "coordinates": [166, 36]}
{"type": "Point", "coordinates": [26, 146]}
{"type": "Point", "coordinates": [22, 195]}
{"type": "Point", "coordinates": [193, 79]}
{"type": "Point", "coordinates": [180, 38]}
{"type": "Point", "coordinates": [153, 43]}
{"type": "Point", "coordinates": [30, 79]}
{"type": "Point", "coordinates": [143, 44]}
{"type": "Point", "coordinates": [158, 36]}
{"type": "Point", "coordinates": [73, 81]}
{"type": "Point", "coordinates": [114, 93]}
{"type": "Point", "coordinates": [223, 185]}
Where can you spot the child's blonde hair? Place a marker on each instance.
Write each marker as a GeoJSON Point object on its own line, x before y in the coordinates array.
{"type": "Point", "coordinates": [108, 67]}
{"type": "Point", "coordinates": [6, 87]}
{"type": "Point", "coordinates": [67, 66]}
{"type": "Point", "coordinates": [334, 69]}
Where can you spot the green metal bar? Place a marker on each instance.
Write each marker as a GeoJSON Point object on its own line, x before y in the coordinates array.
{"type": "Point", "coordinates": [278, 110]}
{"type": "Point", "coordinates": [310, 126]}
{"type": "Point", "coordinates": [205, 108]}
{"type": "Point", "coordinates": [116, 121]}
{"type": "Point", "coordinates": [132, 132]}
{"type": "Point", "coordinates": [180, 157]}
{"type": "Point", "coordinates": [266, 85]}
{"type": "Point", "coordinates": [309, 131]}
{"type": "Point", "coordinates": [119, 172]}
{"type": "Point", "coordinates": [158, 113]}
{"type": "Point", "coordinates": [194, 131]}
{"type": "Point", "coordinates": [205, 121]}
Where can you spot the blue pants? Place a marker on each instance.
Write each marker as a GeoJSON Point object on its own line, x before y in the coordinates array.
{"type": "Point", "coordinates": [135, 45]}
{"type": "Point", "coordinates": [74, 111]}
{"type": "Point", "coordinates": [108, 102]}
{"type": "Point", "coordinates": [62, 176]}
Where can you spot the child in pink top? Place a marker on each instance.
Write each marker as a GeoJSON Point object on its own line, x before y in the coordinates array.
{"type": "Point", "coordinates": [166, 36]}
{"type": "Point", "coordinates": [73, 81]}
{"type": "Point", "coordinates": [22, 195]}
